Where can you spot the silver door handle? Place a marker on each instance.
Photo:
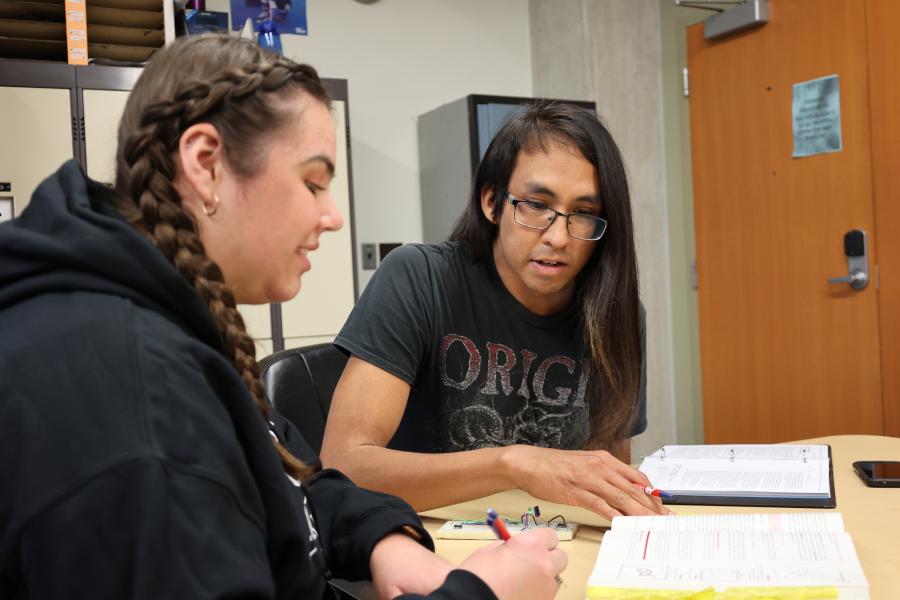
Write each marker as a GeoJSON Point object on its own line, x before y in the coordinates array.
{"type": "Point", "coordinates": [856, 248]}
{"type": "Point", "coordinates": [856, 279]}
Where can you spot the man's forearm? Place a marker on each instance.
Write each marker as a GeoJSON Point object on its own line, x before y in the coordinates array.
{"type": "Point", "coordinates": [428, 481]}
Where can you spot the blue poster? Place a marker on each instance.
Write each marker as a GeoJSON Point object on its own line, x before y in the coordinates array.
{"type": "Point", "coordinates": [816, 112]}
{"type": "Point", "coordinates": [288, 16]}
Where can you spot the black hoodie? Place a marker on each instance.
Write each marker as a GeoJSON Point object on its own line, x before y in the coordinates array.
{"type": "Point", "coordinates": [133, 461]}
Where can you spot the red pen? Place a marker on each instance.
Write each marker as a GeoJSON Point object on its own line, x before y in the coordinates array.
{"type": "Point", "coordinates": [652, 491]}
{"type": "Point", "coordinates": [497, 524]}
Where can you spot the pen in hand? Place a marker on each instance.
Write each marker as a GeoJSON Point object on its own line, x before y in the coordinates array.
{"type": "Point", "coordinates": [497, 524]}
{"type": "Point", "coordinates": [499, 527]}
{"type": "Point", "coordinates": [652, 491]}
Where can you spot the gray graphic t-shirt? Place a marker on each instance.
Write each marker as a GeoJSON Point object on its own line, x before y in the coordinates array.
{"type": "Point", "coordinates": [484, 371]}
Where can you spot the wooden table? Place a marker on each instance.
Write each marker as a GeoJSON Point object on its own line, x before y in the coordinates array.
{"type": "Point", "coordinates": [872, 516]}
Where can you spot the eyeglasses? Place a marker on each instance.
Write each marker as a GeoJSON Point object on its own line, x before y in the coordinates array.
{"type": "Point", "coordinates": [537, 215]}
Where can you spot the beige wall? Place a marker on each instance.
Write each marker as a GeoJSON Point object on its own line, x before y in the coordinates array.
{"type": "Point", "coordinates": [610, 52]}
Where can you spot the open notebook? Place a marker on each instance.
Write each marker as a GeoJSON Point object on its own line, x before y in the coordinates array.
{"type": "Point", "coordinates": [662, 555]}
{"type": "Point", "coordinates": [797, 475]}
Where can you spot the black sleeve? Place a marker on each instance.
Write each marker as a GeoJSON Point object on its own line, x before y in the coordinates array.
{"type": "Point", "coordinates": [390, 326]}
{"type": "Point", "coordinates": [144, 529]}
{"type": "Point", "coordinates": [640, 419]}
{"type": "Point", "coordinates": [351, 520]}
{"type": "Point", "coordinates": [459, 585]}
{"type": "Point", "coordinates": [292, 439]}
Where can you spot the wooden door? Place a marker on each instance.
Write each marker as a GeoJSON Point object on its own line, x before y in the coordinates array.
{"type": "Point", "coordinates": [883, 21]}
{"type": "Point", "coordinates": [784, 354]}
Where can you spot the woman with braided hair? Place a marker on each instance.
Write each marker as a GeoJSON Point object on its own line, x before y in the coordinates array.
{"type": "Point", "coordinates": [138, 455]}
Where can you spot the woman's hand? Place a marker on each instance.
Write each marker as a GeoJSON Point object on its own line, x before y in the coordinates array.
{"type": "Point", "coordinates": [592, 479]}
{"type": "Point", "coordinates": [526, 567]}
{"type": "Point", "coordinates": [400, 565]}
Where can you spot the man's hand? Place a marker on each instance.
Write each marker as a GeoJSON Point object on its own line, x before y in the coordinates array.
{"type": "Point", "coordinates": [594, 480]}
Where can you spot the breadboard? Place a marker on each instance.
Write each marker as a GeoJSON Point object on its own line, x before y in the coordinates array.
{"type": "Point", "coordinates": [479, 530]}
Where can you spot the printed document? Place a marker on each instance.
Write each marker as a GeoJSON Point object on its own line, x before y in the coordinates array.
{"type": "Point", "coordinates": [725, 552]}
{"type": "Point", "coordinates": [741, 470]}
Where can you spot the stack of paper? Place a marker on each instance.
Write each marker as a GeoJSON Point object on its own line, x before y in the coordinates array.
{"type": "Point", "coordinates": [662, 555]}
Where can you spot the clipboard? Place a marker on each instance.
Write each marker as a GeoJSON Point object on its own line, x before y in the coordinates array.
{"type": "Point", "coordinates": [748, 497]}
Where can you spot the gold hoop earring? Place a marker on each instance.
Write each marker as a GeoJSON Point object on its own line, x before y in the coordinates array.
{"type": "Point", "coordinates": [211, 211]}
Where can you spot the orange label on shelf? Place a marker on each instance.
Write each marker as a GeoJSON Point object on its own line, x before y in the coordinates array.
{"type": "Point", "coordinates": [76, 32]}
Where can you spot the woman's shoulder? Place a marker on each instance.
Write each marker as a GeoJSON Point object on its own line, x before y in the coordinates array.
{"type": "Point", "coordinates": [75, 357]}
{"type": "Point", "coordinates": [93, 380]}
{"type": "Point", "coordinates": [56, 330]}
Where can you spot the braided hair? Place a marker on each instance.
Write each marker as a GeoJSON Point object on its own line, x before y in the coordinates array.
{"type": "Point", "coordinates": [242, 91]}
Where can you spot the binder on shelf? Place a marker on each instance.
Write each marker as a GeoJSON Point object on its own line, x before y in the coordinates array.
{"type": "Point", "coordinates": [782, 475]}
{"type": "Point", "coordinates": [76, 32]}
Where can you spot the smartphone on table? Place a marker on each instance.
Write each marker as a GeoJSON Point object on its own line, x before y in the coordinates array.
{"type": "Point", "coordinates": [878, 473]}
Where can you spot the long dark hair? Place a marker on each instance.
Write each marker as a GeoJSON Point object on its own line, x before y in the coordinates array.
{"type": "Point", "coordinates": [608, 293]}
{"type": "Point", "coordinates": [243, 92]}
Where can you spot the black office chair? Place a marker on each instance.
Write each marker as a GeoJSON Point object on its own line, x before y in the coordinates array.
{"type": "Point", "coordinates": [300, 382]}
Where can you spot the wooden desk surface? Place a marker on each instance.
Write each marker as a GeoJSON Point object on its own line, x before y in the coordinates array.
{"type": "Point", "coordinates": [872, 516]}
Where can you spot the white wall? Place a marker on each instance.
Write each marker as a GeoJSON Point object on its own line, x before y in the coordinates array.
{"type": "Point", "coordinates": [403, 58]}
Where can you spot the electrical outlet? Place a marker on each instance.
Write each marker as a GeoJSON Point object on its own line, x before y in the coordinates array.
{"type": "Point", "coordinates": [7, 211]}
{"type": "Point", "coordinates": [369, 260]}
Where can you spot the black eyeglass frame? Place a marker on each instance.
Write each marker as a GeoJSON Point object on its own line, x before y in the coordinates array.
{"type": "Point", "coordinates": [516, 201]}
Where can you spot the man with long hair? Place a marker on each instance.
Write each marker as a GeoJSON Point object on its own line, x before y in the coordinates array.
{"type": "Point", "coordinates": [512, 355]}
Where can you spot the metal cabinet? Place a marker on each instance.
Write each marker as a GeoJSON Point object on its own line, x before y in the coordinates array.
{"type": "Point", "coordinates": [51, 112]}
